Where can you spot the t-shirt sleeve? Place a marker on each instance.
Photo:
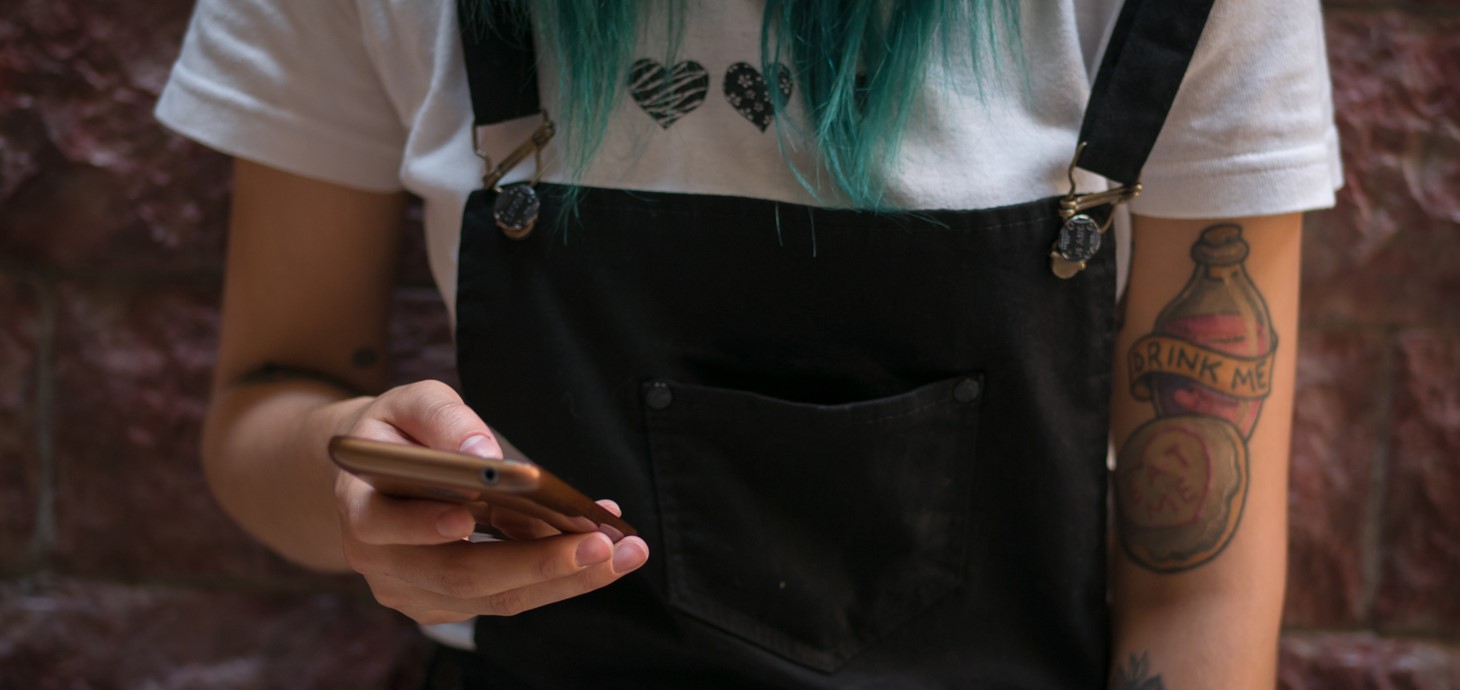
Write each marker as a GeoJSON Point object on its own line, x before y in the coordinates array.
{"type": "Point", "coordinates": [289, 85]}
{"type": "Point", "coordinates": [1251, 131]}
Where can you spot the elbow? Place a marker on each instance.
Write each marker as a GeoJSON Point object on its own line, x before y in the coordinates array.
{"type": "Point", "coordinates": [245, 497]}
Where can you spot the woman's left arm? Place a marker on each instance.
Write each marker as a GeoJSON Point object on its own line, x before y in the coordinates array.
{"type": "Point", "coordinates": [1202, 412]}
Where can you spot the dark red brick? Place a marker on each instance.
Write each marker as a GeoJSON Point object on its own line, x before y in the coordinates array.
{"type": "Point", "coordinates": [421, 343]}
{"type": "Point", "coordinates": [414, 268]}
{"type": "Point", "coordinates": [23, 153]}
{"type": "Point", "coordinates": [1335, 437]}
{"type": "Point", "coordinates": [1340, 6]}
{"type": "Point", "coordinates": [1365, 662]}
{"type": "Point", "coordinates": [59, 635]}
{"type": "Point", "coordinates": [133, 372]}
{"type": "Point", "coordinates": [133, 367]}
{"type": "Point", "coordinates": [89, 178]}
{"type": "Point", "coordinates": [1387, 254]}
{"type": "Point", "coordinates": [421, 346]}
{"type": "Point", "coordinates": [20, 462]}
{"type": "Point", "coordinates": [1420, 589]}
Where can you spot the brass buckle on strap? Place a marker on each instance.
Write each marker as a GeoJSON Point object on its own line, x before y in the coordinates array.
{"type": "Point", "coordinates": [516, 206]}
{"type": "Point", "coordinates": [533, 146]}
{"type": "Point", "coordinates": [1080, 236]}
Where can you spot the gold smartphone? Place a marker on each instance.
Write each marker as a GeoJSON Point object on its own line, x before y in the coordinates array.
{"type": "Point", "coordinates": [406, 471]}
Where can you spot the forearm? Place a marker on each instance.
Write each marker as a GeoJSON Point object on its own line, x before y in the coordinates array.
{"type": "Point", "coordinates": [265, 461]}
{"type": "Point", "coordinates": [311, 266]}
{"type": "Point", "coordinates": [1212, 626]}
{"type": "Point", "coordinates": [1202, 412]}
{"type": "Point", "coordinates": [1197, 642]}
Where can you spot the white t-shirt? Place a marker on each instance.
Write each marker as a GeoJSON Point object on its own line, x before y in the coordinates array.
{"type": "Point", "coordinates": [373, 94]}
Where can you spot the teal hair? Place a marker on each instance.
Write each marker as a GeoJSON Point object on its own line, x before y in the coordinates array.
{"type": "Point", "coordinates": [856, 66]}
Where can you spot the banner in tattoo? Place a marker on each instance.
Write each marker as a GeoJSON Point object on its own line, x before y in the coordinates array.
{"type": "Point", "coordinates": [1229, 375]}
{"type": "Point", "coordinates": [1182, 478]}
{"type": "Point", "coordinates": [1212, 348]}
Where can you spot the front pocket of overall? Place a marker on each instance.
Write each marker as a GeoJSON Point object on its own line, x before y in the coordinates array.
{"type": "Point", "coordinates": [812, 530]}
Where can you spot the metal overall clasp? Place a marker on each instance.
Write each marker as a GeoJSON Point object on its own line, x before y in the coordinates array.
{"type": "Point", "coordinates": [1080, 236]}
{"type": "Point", "coordinates": [517, 205]}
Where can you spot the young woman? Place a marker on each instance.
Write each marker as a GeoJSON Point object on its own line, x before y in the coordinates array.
{"type": "Point", "coordinates": [821, 296]}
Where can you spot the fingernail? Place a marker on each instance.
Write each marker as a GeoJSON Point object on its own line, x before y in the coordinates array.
{"type": "Point", "coordinates": [455, 524]}
{"type": "Point", "coordinates": [593, 550]}
{"type": "Point", "coordinates": [629, 554]}
{"type": "Point", "coordinates": [471, 443]}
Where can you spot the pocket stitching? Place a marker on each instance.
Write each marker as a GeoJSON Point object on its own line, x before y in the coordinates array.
{"type": "Point", "coordinates": [689, 596]}
{"type": "Point", "coordinates": [938, 393]}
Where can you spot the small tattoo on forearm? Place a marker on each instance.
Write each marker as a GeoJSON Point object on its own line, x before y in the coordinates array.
{"type": "Point", "coordinates": [364, 358]}
{"type": "Point", "coordinates": [270, 372]}
{"type": "Point", "coordinates": [1181, 479]}
{"type": "Point", "coordinates": [1136, 675]}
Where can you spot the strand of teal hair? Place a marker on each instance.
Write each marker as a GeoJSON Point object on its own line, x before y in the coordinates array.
{"type": "Point", "coordinates": [592, 43]}
{"type": "Point", "coordinates": [853, 124]}
{"type": "Point", "coordinates": [858, 66]}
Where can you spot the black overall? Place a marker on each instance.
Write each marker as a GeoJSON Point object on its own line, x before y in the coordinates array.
{"type": "Point", "coordinates": [865, 450]}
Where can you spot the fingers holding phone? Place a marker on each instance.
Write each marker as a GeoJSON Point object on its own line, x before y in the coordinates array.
{"type": "Point", "coordinates": [429, 414]}
{"type": "Point", "coordinates": [435, 584]}
{"type": "Point", "coordinates": [407, 505]}
{"type": "Point", "coordinates": [435, 578]}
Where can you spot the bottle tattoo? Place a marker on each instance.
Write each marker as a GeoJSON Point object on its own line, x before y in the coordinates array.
{"type": "Point", "coordinates": [1182, 478]}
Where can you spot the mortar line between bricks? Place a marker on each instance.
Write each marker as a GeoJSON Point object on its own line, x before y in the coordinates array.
{"type": "Point", "coordinates": [1412, 9]}
{"type": "Point", "coordinates": [1338, 326]}
{"type": "Point", "coordinates": [126, 277]}
{"type": "Point", "coordinates": [239, 584]}
{"type": "Point", "coordinates": [1438, 640]}
{"type": "Point", "coordinates": [43, 540]}
{"type": "Point", "coordinates": [424, 291]}
{"type": "Point", "coordinates": [1370, 540]}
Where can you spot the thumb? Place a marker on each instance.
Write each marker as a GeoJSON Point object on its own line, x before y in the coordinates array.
{"type": "Point", "coordinates": [434, 415]}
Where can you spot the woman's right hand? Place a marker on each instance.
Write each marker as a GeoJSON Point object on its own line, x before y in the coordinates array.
{"type": "Point", "coordinates": [413, 553]}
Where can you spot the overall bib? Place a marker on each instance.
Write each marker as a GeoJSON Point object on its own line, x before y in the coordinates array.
{"type": "Point", "coordinates": [866, 450]}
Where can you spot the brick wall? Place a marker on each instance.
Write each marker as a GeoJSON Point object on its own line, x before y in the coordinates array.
{"type": "Point", "coordinates": [116, 569]}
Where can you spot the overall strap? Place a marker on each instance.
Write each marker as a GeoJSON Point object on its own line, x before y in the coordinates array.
{"type": "Point", "coordinates": [1145, 61]}
{"type": "Point", "coordinates": [501, 67]}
